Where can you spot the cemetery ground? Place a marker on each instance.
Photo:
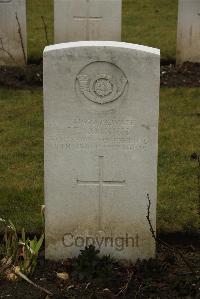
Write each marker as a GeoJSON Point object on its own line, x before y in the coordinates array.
{"type": "Point", "coordinates": [173, 273]}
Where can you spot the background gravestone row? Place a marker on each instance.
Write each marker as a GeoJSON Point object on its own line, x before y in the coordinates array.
{"type": "Point", "coordinates": [89, 20]}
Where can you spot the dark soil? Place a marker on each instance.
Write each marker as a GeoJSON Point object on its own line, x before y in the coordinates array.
{"type": "Point", "coordinates": [27, 77]}
{"type": "Point", "coordinates": [185, 75]}
{"type": "Point", "coordinates": [167, 276]}
{"type": "Point", "coordinates": [30, 76]}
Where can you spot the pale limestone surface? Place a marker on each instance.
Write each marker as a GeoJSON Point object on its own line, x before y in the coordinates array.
{"type": "Point", "coordinates": [11, 51]}
{"type": "Point", "coordinates": [79, 20]}
{"type": "Point", "coordinates": [101, 106]}
{"type": "Point", "coordinates": [188, 31]}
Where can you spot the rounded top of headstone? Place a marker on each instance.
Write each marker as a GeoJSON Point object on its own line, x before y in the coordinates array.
{"type": "Point", "coordinates": [112, 44]}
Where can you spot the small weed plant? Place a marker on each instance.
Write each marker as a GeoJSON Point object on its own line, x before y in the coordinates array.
{"type": "Point", "coordinates": [21, 250]}
{"type": "Point", "coordinates": [89, 265]}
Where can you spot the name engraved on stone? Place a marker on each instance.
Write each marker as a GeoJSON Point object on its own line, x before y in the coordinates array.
{"type": "Point", "coordinates": [100, 134]}
{"type": "Point", "coordinates": [101, 183]}
{"type": "Point", "coordinates": [101, 82]}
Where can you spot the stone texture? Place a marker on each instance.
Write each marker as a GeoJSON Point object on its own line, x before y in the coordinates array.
{"type": "Point", "coordinates": [11, 51]}
{"type": "Point", "coordinates": [87, 20]}
{"type": "Point", "coordinates": [188, 31]}
{"type": "Point", "coordinates": [101, 104]}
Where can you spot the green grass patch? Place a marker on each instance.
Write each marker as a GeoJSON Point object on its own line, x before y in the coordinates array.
{"type": "Point", "coordinates": [36, 33]}
{"type": "Point", "coordinates": [146, 22]}
{"type": "Point", "coordinates": [177, 174]}
{"type": "Point", "coordinates": [152, 23]}
{"type": "Point", "coordinates": [21, 158]}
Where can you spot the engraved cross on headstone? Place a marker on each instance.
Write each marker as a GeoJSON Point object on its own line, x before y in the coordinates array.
{"type": "Point", "coordinates": [101, 183]}
{"type": "Point", "coordinates": [88, 20]}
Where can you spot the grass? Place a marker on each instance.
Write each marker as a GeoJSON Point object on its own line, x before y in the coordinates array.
{"type": "Point", "coordinates": [147, 22]}
{"type": "Point", "coordinates": [36, 33]}
{"type": "Point", "coordinates": [21, 158]}
{"type": "Point", "coordinates": [152, 23]}
{"type": "Point", "coordinates": [177, 174]}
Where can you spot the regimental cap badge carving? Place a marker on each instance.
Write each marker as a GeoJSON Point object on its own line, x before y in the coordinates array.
{"type": "Point", "coordinates": [101, 82]}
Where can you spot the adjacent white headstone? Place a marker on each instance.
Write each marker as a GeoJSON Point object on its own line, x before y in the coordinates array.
{"type": "Point", "coordinates": [188, 31]}
{"type": "Point", "coordinates": [76, 20]}
{"type": "Point", "coordinates": [101, 103]}
{"type": "Point", "coordinates": [13, 48]}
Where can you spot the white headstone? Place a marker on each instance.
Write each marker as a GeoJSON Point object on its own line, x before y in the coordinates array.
{"type": "Point", "coordinates": [13, 48]}
{"type": "Point", "coordinates": [87, 20]}
{"type": "Point", "coordinates": [188, 31]}
{"type": "Point", "coordinates": [101, 103]}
